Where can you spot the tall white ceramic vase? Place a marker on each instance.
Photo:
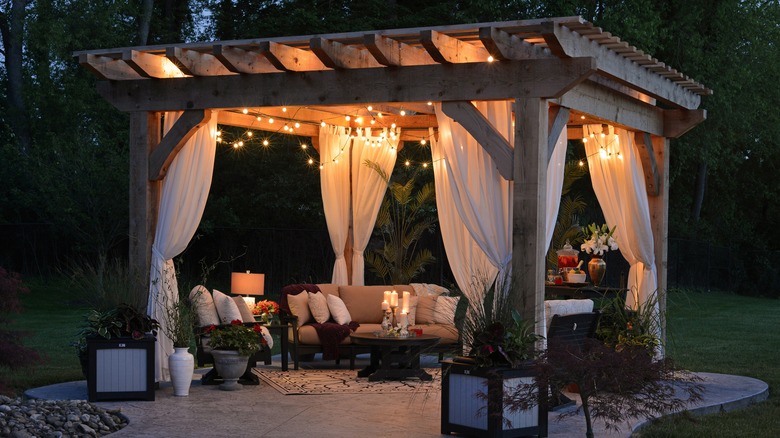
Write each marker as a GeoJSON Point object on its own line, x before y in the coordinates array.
{"type": "Point", "coordinates": [181, 365]}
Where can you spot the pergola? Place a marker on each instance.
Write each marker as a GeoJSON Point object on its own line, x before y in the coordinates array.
{"type": "Point", "coordinates": [561, 73]}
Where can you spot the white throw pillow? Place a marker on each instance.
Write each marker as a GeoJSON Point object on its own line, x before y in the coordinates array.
{"type": "Point", "coordinates": [299, 306]}
{"type": "Point", "coordinates": [204, 306]}
{"type": "Point", "coordinates": [413, 309]}
{"type": "Point", "coordinates": [338, 309]}
{"type": "Point", "coordinates": [244, 310]}
{"type": "Point", "coordinates": [444, 312]}
{"type": "Point", "coordinates": [226, 308]}
{"type": "Point", "coordinates": [428, 289]}
{"type": "Point", "coordinates": [318, 305]}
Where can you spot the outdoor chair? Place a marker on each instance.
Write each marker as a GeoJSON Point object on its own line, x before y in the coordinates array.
{"type": "Point", "coordinates": [569, 332]}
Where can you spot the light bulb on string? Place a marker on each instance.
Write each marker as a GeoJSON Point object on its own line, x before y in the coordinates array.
{"type": "Point", "coordinates": [265, 142]}
{"type": "Point", "coordinates": [249, 134]}
{"type": "Point", "coordinates": [245, 111]}
{"type": "Point", "coordinates": [423, 142]}
{"type": "Point", "coordinates": [297, 125]}
{"type": "Point", "coordinates": [270, 120]}
{"type": "Point", "coordinates": [304, 146]}
{"type": "Point", "coordinates": [284, 109]}
{"type": "Point", "coordinates": [311, 161]}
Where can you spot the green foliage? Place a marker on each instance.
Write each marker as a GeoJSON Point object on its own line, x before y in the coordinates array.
{"type": "Point", "coordinates": [620, 326]}
{"type": "Point", "coordinates": [400, 223]}
{"type": "Point", "coordinates": [123, 320]}
{"type": "Point", "coordinates": [235, 336]}
{"type": "Point", "coordinates": [106, 285]}
{"type": "Point", "coordinates": [13, 353]}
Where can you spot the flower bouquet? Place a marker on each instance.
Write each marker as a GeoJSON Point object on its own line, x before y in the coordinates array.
{"type": "Point", "coordinates": [599, 239]}
{"type": "Point", "coordinates": [266, 309]}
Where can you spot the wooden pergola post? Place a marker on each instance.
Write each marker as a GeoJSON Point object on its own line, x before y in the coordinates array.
{"type": "Point", "coordinates": [144, 195]}
{"type": "Point", "coordinates": [530, 201]}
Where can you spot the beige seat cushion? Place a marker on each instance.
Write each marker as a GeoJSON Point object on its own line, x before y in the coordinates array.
{"type": "Point", "coordinates": [364, 302]}
{"type": "Point", "coordinates": [565, 307]}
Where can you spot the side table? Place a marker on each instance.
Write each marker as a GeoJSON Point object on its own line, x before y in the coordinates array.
{"type": "Point", "coordinates": [281, 328]}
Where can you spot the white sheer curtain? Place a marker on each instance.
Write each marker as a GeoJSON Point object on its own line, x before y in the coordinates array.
{"type": "Point", "coordinates": [619, 184]}
{"type": "Point", "coordinates": [184, 193]}
{"type": "Point", "coordinates": [481, 196]}
{"type": "Point", "coordinates": [468, 262]}
{"type": "Point", "coordinates": [368, 189]}
{"type": "Point", "coordinates": [334, 180]}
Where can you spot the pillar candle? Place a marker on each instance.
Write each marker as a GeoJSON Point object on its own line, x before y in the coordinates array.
{"type": "Point", "coordinates": [385, 305]}
{"type": "Point", "coordinates": [387, 296]}
{"type": "Point", "coordinates": [393, 299]}
{"type": "Point", "coordinates": [404, 322]}
{"type": "Point", "coordinates": [405, 303]}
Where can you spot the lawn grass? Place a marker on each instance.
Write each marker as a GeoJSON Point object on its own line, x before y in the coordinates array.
{"type": "Point", "coordinates": [713, 332]}
{"type": "Point", "coordinates": [728, 334]}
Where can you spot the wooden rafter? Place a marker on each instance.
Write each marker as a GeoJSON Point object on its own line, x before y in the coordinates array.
{"type": "Point", "coordinates": [390, 52]}
{"type": "Point", "coordinates": [151, 66]}
{"type": "Point", "coordinates": [446, 49]}
{"type": "Point", "coordinates": [239, 60]}
{"type": "Point", "coordinates": [194, 63]}
{"type": "Point", "coordinates": [290, 58]}
{"type": "Point", "coordinates": [644, 145]}
{"type": "Point", "coordinates": [336, 55]}
{"type": "Point", "coordinates": [108, 68]}
{"type": "Point", "coordinates": [184, 128]}
{"type": "Point", "coordinates": [484, 133]}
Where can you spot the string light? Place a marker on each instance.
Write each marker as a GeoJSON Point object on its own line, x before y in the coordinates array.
{"type": "Point", "coordinates": [490, 58]}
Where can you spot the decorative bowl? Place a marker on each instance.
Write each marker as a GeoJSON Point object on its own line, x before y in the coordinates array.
{"type": "Point", "coordinates": [575, 278]}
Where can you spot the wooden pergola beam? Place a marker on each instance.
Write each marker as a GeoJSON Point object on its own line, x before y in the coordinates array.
{"type": "Point", "coordinates": [559, 117]}
{"type": "Point", "coordinates": [502, 45]}
{"type": "Point", "coordinates": [194, 63]}
{"type": "Point", "coordinates": [472, 81]}
{"type": "Point", "coordinates": [336, 55]}
{"type": "Point", "coordinates": [184, 128]}
{"type": "Point", "coordinates": [151, 66]}
{"type": "Point", "coordinates": [484, 133]}
{"type": "Point", "coordinates": [390, 52]}
{"type": "Point", "coordinates": [677, 122]}
{"type": "Point", "coordinates": [618, 68]}
{"type": "Point", "coordinates": [290, 58]}
{"type": "Point", "coordinates": [105, 67]}
{"type": "Point", "coordinates": [239, 60]}
{"type": "Point", "coordinates": [644, 146]}
{"type": "Point", "coordinates": [446, 49]}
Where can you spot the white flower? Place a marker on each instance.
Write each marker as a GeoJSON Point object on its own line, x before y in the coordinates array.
{"type": "Point", "coordinates": [600, 239]}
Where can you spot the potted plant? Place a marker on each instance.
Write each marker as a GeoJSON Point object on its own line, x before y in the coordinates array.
{"type": "Point", "coordinates": [500, 348]}
{"type": "Point", "coordinates": [118, 342]}
{"type": "Point", "coordinates": [179, 325]}
{"type": "Point", "coordinates": [231, 347]}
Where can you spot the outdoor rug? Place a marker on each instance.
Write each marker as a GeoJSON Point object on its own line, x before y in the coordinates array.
{"type": "Point", "coordinates": [341, 381]}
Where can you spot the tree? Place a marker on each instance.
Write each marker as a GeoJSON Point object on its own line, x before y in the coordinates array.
{"type": "Point", "coordinates": [12, 18]}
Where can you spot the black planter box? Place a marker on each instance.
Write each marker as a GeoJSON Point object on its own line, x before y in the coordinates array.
{"type": "Point", "coordinates": [120, 369]}
{"type": "Point", "coordinates": [466, 413]}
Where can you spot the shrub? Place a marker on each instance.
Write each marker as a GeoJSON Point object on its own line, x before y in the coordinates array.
{"type": "Point", "coordinates": [13, 354]}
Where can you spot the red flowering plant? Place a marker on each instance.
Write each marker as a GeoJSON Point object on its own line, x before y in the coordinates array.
{"type": "Point", "coordinates": [246, 339]}
{"type": "Point", "coordinates": [266, 307]}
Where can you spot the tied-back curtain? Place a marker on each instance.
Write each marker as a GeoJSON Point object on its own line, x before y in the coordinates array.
{"type": "Point", "coordinates": [618, 181]}
{"type": "Point", "coordinates": [334, 181]}
{"type": "Point", "coordinates": [368, 189]}
{"type": "Point", "coordinates": [481, 196]}
{"type": "Point", "coordinates": [556, 168]}
{"type": "Point", "coordinates": [469, 264]}
{"type": "Point", "coordinates": [185, 190]}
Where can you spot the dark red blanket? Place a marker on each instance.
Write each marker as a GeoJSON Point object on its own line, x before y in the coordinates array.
{"type": "Point", "coordinates": [331, 335]}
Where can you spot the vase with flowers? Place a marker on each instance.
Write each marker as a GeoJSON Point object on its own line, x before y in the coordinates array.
{"type": "Point", "coordinates": [232, 345]}
{"type": "Point", "coordinates": [598, 240]}
{"type": "Point", "coordinates": [266, 309]}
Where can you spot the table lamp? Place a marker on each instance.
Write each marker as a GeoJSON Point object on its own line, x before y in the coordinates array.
{"type": "Point", "coordinates": [246, 283]}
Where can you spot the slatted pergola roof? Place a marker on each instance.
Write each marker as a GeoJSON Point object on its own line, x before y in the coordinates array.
{"type": "Point", "coordinates": [561, 72]}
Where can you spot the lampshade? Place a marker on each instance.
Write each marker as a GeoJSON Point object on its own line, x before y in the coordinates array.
{"type": "Point", "coordinates": [246, 283]}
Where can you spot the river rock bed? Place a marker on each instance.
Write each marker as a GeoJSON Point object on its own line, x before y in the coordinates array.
{"type": "Point", "coordinates": [21, 418]}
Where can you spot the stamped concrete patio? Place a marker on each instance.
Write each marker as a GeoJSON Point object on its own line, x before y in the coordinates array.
{"type": "Point", "coordinates": [261, 411]}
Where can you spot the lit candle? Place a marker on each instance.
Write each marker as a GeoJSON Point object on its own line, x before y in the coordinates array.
{"type": "Point", "coordinates": [393, 299]}
{"type": "Point", "coordinates": [385, 305]}
{"type": "Point", "coordinates": [405, 303]}
{"type": "Point", "coordinates": [387, 296]}
{"type": "Point", "coordinates": [404, 322]}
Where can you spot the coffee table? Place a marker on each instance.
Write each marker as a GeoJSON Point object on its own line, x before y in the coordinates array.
{"type": "Point", "coordinates": [389, 350]}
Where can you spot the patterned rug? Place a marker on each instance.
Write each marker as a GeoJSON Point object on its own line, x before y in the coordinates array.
{"type": "Point", "coordinates": [341, 381]}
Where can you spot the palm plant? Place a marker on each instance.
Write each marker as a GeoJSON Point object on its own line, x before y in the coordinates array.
{"type": "Point", "coordinates": [402, 219]}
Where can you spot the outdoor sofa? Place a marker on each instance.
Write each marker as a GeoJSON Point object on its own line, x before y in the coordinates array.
{"type": "Point", "coordinates": [325, 328]}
